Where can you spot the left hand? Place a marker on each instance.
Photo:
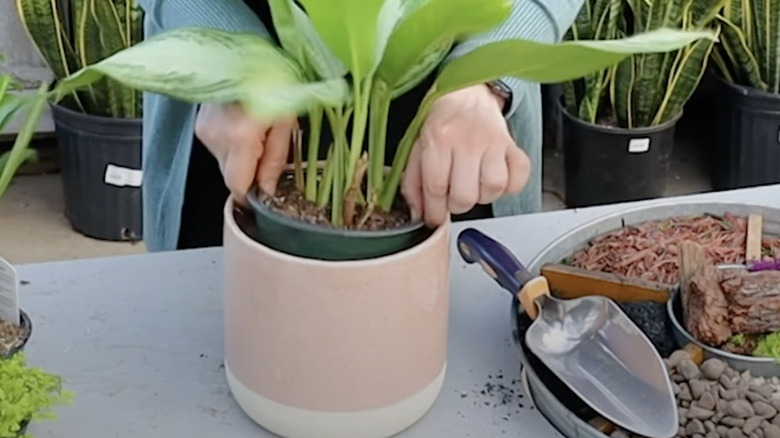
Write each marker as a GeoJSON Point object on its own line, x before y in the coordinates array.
{"type": "Point", "coordinates": [464, 156]}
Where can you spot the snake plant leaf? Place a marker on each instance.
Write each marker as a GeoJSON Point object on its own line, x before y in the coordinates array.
{"type": "Point", "coordinates": [554, 62]}
{"type": "Point", "coordinates": [735, 45]}
{"type": "Point", "coordinates": [356, 31]}
{"type": "Point", "coordinates": [621, 91]}
{"type": "Point", "coordinates": [688, 74]}
{"type": "Point", "coordinates": [181, 64]}
{"type": "Point", "coordinates": [426, 32]}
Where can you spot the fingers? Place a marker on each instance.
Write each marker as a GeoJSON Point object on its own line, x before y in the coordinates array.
{"type": "Point", "coordinates": [493, 175]}
{"type": "Point", "coordinates": [464, 191]}
{"type": "Point", "coordinates": [275, 154]}
{"type": "Point", "coordinates": [519, 169]}
{"type": "Point", "coordinates": [411, 185]}
{"type": "Point", "coordinates": [239, 169]}
{"type": "Point", "coordinates": [436, 162]}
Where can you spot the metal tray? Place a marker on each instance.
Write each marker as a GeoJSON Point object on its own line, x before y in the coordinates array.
{"type": "Point", "coordinates": [551, 406]}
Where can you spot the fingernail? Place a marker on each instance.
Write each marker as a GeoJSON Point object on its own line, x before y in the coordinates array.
{"type": "Point", "coordinates": [415, 214]}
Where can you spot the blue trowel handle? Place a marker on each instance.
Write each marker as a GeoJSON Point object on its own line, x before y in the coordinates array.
{"type": "Point", "coordinates": [475, 247]}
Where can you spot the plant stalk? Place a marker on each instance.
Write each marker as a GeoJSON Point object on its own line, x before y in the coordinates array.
{"type": "Point", "coordinates": [362, 92]}
{"type": "Point", "coordinates": [390, 186]}
{"type": "Point", "coordinates": [377, 135]}
{"type": "Point", "coordinates": [327, 180]}
{"type": "Point", "coordinates": [312, 157]}
{"type": "Point", "coordinates": [298, 159]}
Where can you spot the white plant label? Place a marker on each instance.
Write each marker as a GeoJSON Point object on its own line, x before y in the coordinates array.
{"type": "Point", "coordinates": [9, 293]}
{"type": "Point", "coordinates": [638, 145]}
{"type": "Point", "coordinates": [123, 176]}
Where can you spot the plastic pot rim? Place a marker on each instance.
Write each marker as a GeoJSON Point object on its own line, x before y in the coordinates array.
{"type": "Point", "coordinates": [613, 130]}
{"type": "Point", "coordinates": [232, 225]}
{"type": "Point", "coordinates": [105, 119]}
{"type": "Point", "coordinates": [746, 91]}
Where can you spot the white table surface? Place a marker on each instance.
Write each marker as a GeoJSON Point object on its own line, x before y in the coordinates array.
{"type": "Point", "coordinates": [139, 340]}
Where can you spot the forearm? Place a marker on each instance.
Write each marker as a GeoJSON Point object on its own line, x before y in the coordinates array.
{"type": "Point", "coordinates": [536, 20]}
{"type": "Point", "coordinates": [229, 15]}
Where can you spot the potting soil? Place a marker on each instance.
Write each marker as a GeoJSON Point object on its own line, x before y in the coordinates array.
{"type": "Point", "coordinates": [11, 336]}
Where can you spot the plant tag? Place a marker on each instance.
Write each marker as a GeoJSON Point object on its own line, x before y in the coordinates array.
{"type": "Point", "coordinates": [9, 293]}
{"type": "Point", "coordinates": [638, 145]}
{"type": "Point", "coordinates": [123, 176]}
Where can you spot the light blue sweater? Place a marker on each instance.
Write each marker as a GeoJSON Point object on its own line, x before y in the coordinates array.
{"type": "Point", "coordinates": [169, 124]}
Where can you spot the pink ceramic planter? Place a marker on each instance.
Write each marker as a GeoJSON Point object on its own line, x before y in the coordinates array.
{"type": "Point", "coordinates": [335, 349]}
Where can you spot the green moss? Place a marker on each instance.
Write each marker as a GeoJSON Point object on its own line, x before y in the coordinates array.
{"type": "Point", "coordinates": [27, 394]}
{"type": "Point", "coordinates": [738, 339]}
{"type": "Point", "coordinates": [768, 346]}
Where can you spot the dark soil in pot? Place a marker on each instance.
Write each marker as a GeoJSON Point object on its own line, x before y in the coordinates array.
{"type": "Point", "coordinates": [289, 223]}
{"type": "Point", "coordinates": [14, 337]}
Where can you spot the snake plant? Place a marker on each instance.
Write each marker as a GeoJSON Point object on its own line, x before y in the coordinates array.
{"type": "Point", "coordinates": [749, 53]}
{"type": "Point", "coordinates": [646, 89]}
{"type": "Point", "coordinates": [343, 61]}
{"type": "Point", "coordinates": [11, 106]}
{"type": "Point", "coordinates": [72, 34]}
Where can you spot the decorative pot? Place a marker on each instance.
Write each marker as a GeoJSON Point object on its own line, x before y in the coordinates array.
{"type": "Point", "coordinates": [343, 349]}
{"type": "Point", "coordinates": [100, 162]}
{"type": "Point", "coordinates": [605, 165]}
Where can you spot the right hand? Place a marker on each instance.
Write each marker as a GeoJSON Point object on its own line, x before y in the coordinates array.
{"type": "Point", "coordinates": [248, 150]}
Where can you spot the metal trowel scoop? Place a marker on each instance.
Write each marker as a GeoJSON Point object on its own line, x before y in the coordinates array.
{"type": "Point", "coordinates": [588, 342]}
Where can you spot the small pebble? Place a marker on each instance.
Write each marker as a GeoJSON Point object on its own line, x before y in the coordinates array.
{"type": "Point", "coordinates": [763, 409]}
{"type": "Point", "coordinates": [713, 368]}
{"type": "Point", "coordinates": [775, 402]}
{"type": "Point", "coordinates": [728, 394]}
{"type": "Point", "coordinates": [739, 409]}
{"type": "Point", "coordinates": [685, 392]}
{"type": "Point", "coordinates": [688, 369]}
{"type": "Point", "coordinates": [726, 382]}
{"type": "Point", "coordinates": [707, 401]}
{"type": "Point", "coordinates": [753, 397]}
{"type": "Point", "coordinates": [735, 432]}
{"type": "Point", "coordinates": [751, 424]}
{"type": "Point", "coordinates": [764, 390]}
{"type": "Point", "coordinates": [771, 431]}
{"type": "Point", "coordinates": [732, 421]}
{"type": "Point", "coordinates": [776, 420]}
{"type": "Point", "coordinates": [696, 412]}
{"type": "Point", "coordinates": [695, 426]}
{"type": "Point", "coordinates": [677, 356]}
{"type": "Point", "coordinates": [697, 388]}
{"type": "Point", "coordinates": [709, 426]}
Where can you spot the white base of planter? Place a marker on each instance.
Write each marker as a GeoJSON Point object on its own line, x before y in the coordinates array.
{"type": "Point", "coordinates": [291, 422]}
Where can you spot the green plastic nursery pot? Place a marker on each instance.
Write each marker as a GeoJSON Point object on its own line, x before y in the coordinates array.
{"type": "Point", "coordinates": [26, 324]}
{"type": "Point", "coordinates": [302, 239]}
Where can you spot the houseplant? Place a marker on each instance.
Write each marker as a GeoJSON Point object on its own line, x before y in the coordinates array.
{"type": "Point", "coordinates": [747, 92]}
{"type": "Point", "coordinates": [623, 118]}
{"type": "Point", "coordinates": [349, 331]}
{"type": "Point", "coordinates": [98, 128]}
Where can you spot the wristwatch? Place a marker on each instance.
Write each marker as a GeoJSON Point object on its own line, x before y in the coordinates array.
{"type": "Point", "coordinates": [499, 88]}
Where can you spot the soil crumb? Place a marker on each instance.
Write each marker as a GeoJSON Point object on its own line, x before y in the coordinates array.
{"type": "Point", "coordinates": [290, 202]}
{"type": "Point", "coordinates": [10, 337]}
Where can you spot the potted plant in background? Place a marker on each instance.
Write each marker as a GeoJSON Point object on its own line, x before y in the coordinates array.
{"type": "Point", "coordinates": [618, 123]}
{"type": "Point", "coordinates": [336, 303]}
{"type": "Point", "coordinates": [746, 123]}
{"type": "Point", "coordinates": [98, 128]}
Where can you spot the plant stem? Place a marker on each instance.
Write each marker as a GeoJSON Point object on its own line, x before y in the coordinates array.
{"type": "Point", "coordinates": [327, 180]}
{"type": "Point", "coordinates": [377, 135]}
{"type": "Point", "coordinates": [298, 159]}
{"type": "Point", "coordinates": [360, 120]}
{"type": "Point", "coordinates": [350, 200]}
{"type": "Point", "coordinates": [338, 126]}
{"type": "Point", "coordinates": [390, 186]}
{"type": "Point", "coordinates": [312, 157]}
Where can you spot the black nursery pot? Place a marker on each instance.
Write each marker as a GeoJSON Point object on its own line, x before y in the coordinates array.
{"type": "Point", "coordinates": [302, 239]}
{"type": "Point", "coordinates": [26, 324]}
{"type": "Point", "coordinates": [604, 165]}
{"type": "Point", "coordinates": [747, 137]}
{"type": "Point", "coordinates": [100, 160]}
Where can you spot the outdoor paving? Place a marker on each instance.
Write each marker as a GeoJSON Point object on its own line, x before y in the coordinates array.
{"type": "Point", "coordinates": [34, 229]}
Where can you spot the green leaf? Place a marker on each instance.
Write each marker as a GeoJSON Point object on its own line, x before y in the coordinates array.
{"type": "Point", "coordinates": [688, 74]}
{"type": "Point", "coordinates": [741, 55]}
{"type": "Point", "coordinates": [427, 31]}
{"type": "Point", "coordinates": [622, 91]}
{"type": "Point", "coordinates": [555, 62]}
{"type": "Point", "coordinates": [251, 71]}
{"type": "Point", "coordinates": [355, 30]}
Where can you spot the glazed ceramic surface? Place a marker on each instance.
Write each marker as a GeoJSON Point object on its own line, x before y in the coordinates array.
{"type": "Point", "coordinates": [335, 349]}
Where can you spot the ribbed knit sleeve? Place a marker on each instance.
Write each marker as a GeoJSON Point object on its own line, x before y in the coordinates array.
{"type": "Point", "coordinates": [537, 20]}
{"type": "Point", "coordinates": [229, 15]}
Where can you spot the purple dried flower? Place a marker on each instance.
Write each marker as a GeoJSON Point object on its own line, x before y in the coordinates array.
{"type": "Point", "coordinates": [764, 265]}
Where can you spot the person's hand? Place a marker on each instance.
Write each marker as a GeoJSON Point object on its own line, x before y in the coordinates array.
{"type": "Point", "coordinates": [464, 156]}
{"type": "Point", "coordinates": [247, 150]}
